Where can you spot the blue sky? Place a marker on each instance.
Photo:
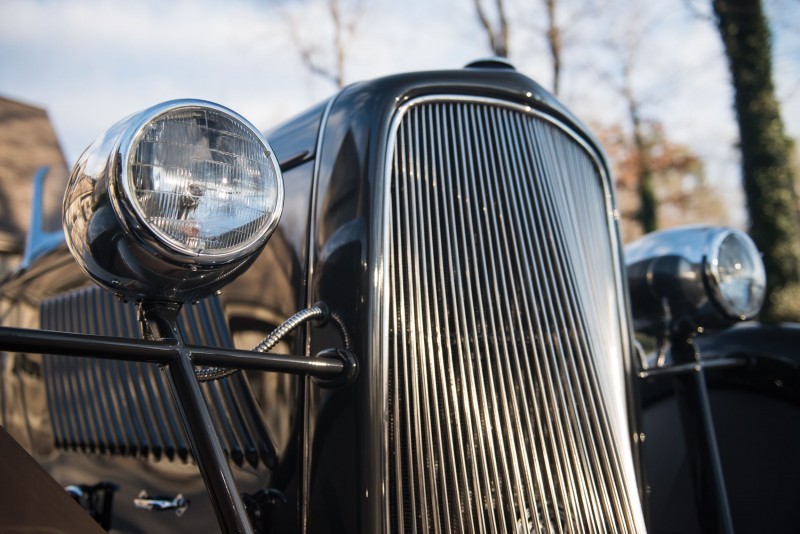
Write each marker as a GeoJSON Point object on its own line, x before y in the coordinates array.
{"type": "Point", "coordinates": [91, 62]}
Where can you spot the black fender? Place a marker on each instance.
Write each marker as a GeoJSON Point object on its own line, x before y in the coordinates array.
{"type": "Point", "coordinates": [756, 411]}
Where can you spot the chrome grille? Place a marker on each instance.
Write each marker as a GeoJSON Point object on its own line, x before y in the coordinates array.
{"type": "Point", "coordinates": [504, 399]}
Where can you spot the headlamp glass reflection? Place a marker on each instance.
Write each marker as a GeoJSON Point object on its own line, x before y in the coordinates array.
{"type": "Point", "coordinates": [741, 277]}
{"type": "Point", "coordinates": [202, 181]}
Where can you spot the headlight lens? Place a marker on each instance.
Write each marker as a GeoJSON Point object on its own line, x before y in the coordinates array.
{"type": "Point", "coordinates": [737, 278]}
{"type": "Point", "coordinates": [203, 182]}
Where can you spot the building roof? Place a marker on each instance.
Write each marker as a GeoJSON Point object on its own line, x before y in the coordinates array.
{"type": "Point", "coordinates": [27, 142]}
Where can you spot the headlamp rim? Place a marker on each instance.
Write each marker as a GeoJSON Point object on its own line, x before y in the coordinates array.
{"type": "Point", "coordinates": [130, 214]}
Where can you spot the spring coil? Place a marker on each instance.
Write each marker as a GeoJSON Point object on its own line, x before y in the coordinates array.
{"type": "Point", "coordinates": [318, 311]}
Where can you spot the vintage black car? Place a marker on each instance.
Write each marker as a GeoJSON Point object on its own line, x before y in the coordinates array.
{"type": "Point", "coordinates": [443, 329]}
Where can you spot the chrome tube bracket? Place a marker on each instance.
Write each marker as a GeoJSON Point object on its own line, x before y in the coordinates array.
{"type": "Point", "coordinates": [178, 504]}
{"type": "Point", "coordinates": [159, 322]}
{"type": "Point", "coordinates": [691, 367]}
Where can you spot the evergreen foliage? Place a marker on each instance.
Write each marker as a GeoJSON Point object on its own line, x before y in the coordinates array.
{"type": "Point", "coordinates": [768, 177]}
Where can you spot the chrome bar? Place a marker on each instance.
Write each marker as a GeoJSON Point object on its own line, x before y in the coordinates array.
{"type": "Point", "coordinates": [698, 429]}
{"type": "Point", "coordinates": [125, 349]}
{"type": "Point", "coordinates": [692, 367]}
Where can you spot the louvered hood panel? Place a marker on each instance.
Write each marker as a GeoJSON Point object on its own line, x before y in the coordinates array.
{"type": "Point", "coordinates": [125, 408]}
{"type": "Point", "coordinates": [505, 396]}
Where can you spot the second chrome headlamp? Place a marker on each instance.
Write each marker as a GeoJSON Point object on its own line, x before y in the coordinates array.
{"type": "Point", "coordinates": [694, 277]}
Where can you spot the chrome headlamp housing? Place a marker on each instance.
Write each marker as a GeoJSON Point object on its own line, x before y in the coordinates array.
{"type": "Point", "coordinates": [173, 202]}
{"type": "Point", "coordinates": [694, 277]}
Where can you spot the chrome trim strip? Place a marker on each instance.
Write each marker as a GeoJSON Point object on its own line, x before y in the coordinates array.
{"type": "Point", "coordinates": [305, 474]}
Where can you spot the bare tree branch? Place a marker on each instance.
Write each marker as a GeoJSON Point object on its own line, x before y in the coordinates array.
{"type": "Point", "coordinates": [554, 42]}
{"type": "Point", "coordinates": [338, 41]}
{"type": "Point", "coordinates": [498, 36]}
{"type": "Point", "coordinates": [697, 12]}
{"type": "Point", "coordinates": [344, 27]}
{"type": "Point", "coordinates": [564, 24]}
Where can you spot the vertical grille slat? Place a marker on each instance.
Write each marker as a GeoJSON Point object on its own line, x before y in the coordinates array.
{"type": "Point", "coordinates": [119, 429]}
{"type": "Point", "coordinates": [89, 421]}
{"type": "Point", "coordinates": [107, 442]}
{"type": "Point", "coordinates": [479, 347]}
{"type": "Point", "coordinates": [503, 327]}
{"type": "Point", "coordinates": [468, 488]}
{"type": "Point", "coordinates": [556, 267]}
{"type": "Point", "coordinates": [68, 390]}
{"type": "Point", "coordinates": [463, 494]}
{"type": "Point", "coordinates": [528, 398]}
{"type": "Point", "coordinates": [511, 302]}
{"type": "Point", "coordinates": [550, 471]}
{"type": "Point", "coordinates": [554, 401]}
{"type": "Point", "coordinates": [425, 428]}
{"type": "Point", "coordinates": [498, 455]}
{"type": "Point", "coordinates": [574, 384]}
{"type": "Point", "coordinates": [600, 429]}
{"type": "Point", "coordinates": [430, 322]}
{"type": "Point", "coordinates": [126, 408]}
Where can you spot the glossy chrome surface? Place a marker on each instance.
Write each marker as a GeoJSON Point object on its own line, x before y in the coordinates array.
{"type": "Point", "coordinates": [706, 276]}
{"type": "Point", "coordinates": [347, 264]}
{"type": "Point", "coordinates": [178, 504]}
{"type": "Point", "coordinates": [503, 335]}
{"type": "Point", "coordinates": [269, 291]}
{"type": "Point", "coordinates": [113, 240]}
{"type": "Point", "coordinates": [304, 493]}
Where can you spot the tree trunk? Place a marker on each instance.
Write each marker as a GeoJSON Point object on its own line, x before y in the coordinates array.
{"type": "Point", "coordinates": [648, 205]}
{"type": "Point", "coordinates": [647, 215]}
{"type": "Point", "coordinates": [768, 177]}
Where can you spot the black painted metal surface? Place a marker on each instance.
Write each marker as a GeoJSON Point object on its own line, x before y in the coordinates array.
{"type": "Point", "coordinates": [122, 407]}
{"type": "Point", "coordinates": [346, 264]}
{"type": "Point", "coordinates": [698, 427]}
{"type": "Point", "coordinates": [752, 375]}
